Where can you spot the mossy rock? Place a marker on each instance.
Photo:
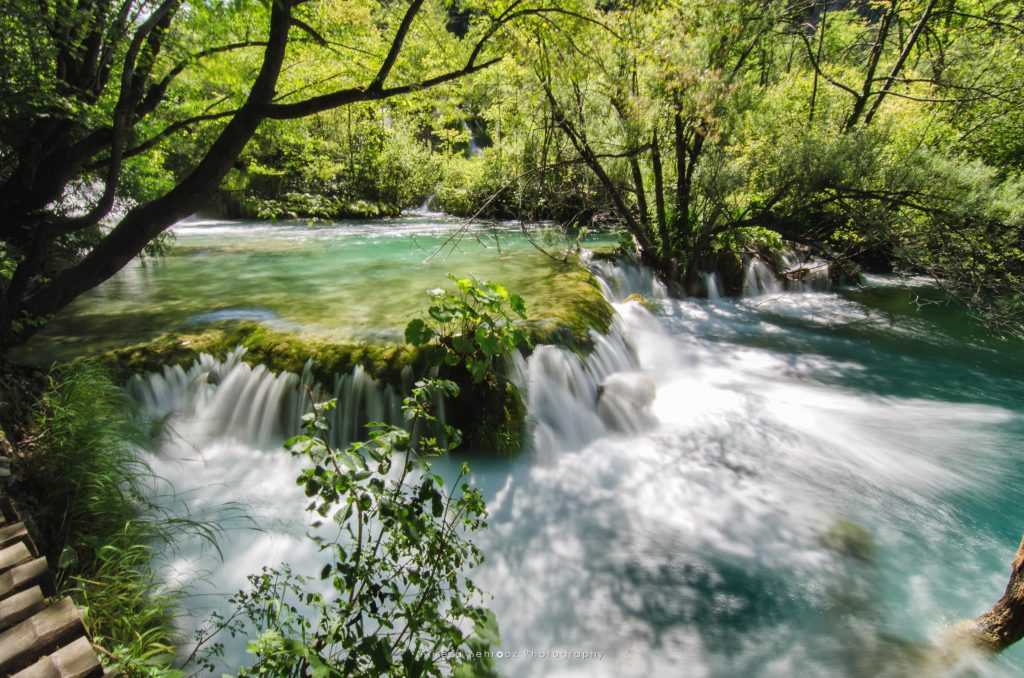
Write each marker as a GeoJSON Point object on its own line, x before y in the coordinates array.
{"type": "Point", "coordinates": [491, 415]}
{"type": "Point", "coordinates": [650, 305]}
{"type": "Point", "coordinates": [578, 307]}
{"type": "Point", "coordinates": [607, 252]}
{"type": "Point", "coordinates": [849, 538]}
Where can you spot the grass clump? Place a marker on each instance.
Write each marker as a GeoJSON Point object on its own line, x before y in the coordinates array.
{"type": "Point", "coordinates": [92, 497]}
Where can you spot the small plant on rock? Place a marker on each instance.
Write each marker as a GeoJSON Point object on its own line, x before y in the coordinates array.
{"type": "Point", "coordinates": [472, 326]}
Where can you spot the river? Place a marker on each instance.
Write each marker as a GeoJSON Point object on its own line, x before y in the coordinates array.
{"type": "Point", "coordinates": [809, 484]}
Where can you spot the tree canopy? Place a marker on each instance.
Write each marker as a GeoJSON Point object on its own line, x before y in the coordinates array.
{"type": "Point", "coordinates": [881, 133]}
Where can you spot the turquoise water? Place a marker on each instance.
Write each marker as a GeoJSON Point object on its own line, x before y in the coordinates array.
{"type": "Point", "coordinates": [345, 281]}
{"type": "Point", "coordinates": [696, 544]}
{"type": "Point", "coordinates": [691, 533]}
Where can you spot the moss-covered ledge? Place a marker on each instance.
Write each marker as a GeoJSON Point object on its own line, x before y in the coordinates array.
{"type": "Point", "coordinates": [579, 308]}
{"type": "Point", "coordinates": [492, 414]}
{"type": "Point", "coordinates": [277, 350]}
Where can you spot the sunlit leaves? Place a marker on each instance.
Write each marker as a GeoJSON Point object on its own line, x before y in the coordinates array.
{"type": "Point", "coordinates": [399, 588]}
{"type": "Point", "coordinates": [472, 326]}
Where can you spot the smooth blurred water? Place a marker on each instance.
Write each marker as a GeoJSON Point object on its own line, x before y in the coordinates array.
{"type": "Point", "coordinates": [696, 545]}
{"type": "Point", "coordinates": [342, 281]}
{"type": "Point", "coordinates": [675, 509]}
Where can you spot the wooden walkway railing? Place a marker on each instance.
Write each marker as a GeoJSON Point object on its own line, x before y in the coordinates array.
{"type": "Point", "coordinates": [40, 636]}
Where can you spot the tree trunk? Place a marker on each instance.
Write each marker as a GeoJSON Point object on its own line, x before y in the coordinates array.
{"type": "Point", "coordinates": [894, 73]}
{"type": "Point", "coordinates": [145, 222]}
{"type": "Point", "coordinates": [647, 251]}
{"type": "Point", "coordinates": [641, 194]}
{"type": "Point", "coordinates": [659, 196]}
{"type": "Point", "coordinates": [873, 58]}
{"type": "Point", "coordinates": [1003, 625]}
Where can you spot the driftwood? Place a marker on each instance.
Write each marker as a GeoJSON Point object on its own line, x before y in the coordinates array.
{"type": "Point", "coordinates": [1003, 625]}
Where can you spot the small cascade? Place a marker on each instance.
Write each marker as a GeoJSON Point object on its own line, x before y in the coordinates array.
{"type": "Point", "coordinates": [621, 278]}
{"type": "Point", "coordinates": [230, 400]}
{"type": "Point", "coordinates": [759, 279]}
{"type": "Point", "coordinates": [712, 285]}
{"type": "Point", "coordinates": [573, 400]}
{"type": "Point", "coordinates": [428, 205]}
{"type": "Point", "coordinates": [175, 389]}
{"type": "Point", "coordinates": [474, 148]}
{"type": "Point", "coordinates": [805, 274]}
{"type": "Point", "coordinates": [223, 399]}
{"type": "Point", "coordinates": [361, 400]}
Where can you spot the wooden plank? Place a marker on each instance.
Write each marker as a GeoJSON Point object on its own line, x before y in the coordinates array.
{"type": "Point", "coordinates": [77, 660]}
{"type": "Point", "coordinates": [16, 554]}
{"type": "Point", "coordinates": [11, 534]}
{"type": "Point", "coordinates": [15, 532]}
{"type": "Point", "coordinates": [20, 606]}
{"type": "Point", "coordinates": [39, 634]}
{"type": "Point", "coordinates": [10, 513]}
{"type": "Point", "coordinates": [33, 573]}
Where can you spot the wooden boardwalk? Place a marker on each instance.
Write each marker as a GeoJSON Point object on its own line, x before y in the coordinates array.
{"type": "Point", "coordinates": [40, 636]}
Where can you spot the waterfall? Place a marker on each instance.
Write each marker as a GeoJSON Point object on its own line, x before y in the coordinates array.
{"type": "Point", "coordinates": [361, 400]}
{"type": "Point", "coordinates": [228, 399]}
{"type": "Point", "coordinates": [620, 279]}
{"type": "Point", "coordinates": [759, 279]}
{"type": "Point", "coordinates": [712, 285]}
{"type": "Point", "coordinates": [429, 203]}
{"type": "Point", "coordinates": [474, 149]}
{"type": "Point", "coordinates": [810, 274]}
{"type": "Point", "coordinates": [687, 485]}
{"type": "Point", "coordinates": [573, 400]}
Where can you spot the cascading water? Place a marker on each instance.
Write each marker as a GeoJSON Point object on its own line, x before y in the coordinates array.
{"type": "Point", "coordinates": [691, 499]}
{"type": "Point", "coordinates": [230, 399]}
{"type": "Point", "coordinates": [758, 279]}
{"type": "Point", "coordinates": [712, 285]}
{"type": "Point", "coordinates": [222, 427]}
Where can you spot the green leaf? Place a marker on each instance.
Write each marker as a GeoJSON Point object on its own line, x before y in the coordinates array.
{"type": "Point", "coordinates": [517, 304]}
{"type": "Point", "coordinates": [412, 664]}
{"type": "Point", "coordinates": [489, 343]}
{"type": "Point", "coordinates": [486, 629]}
{"type": "Point", "coordinates": [418, 333]}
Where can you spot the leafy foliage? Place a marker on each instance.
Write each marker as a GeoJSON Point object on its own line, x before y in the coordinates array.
{"type": "Point", "coordinates": [398, 598]}
{"type": "Point", "coordinates": [104, 522]}
{"type": "Point", "coordinates": [471, 326]}
{"type": "Point", "coordinates": [393, 598]}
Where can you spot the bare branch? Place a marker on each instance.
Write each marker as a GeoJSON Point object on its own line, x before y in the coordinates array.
{"type": "Point", "coordinates": [301, 109]}
{"type": "Point", "coordinates": [156, 92]}
{"type": "Point", "coordinates": [396, 44]}
{"type": "Point", "coordinates": [821, 73]}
